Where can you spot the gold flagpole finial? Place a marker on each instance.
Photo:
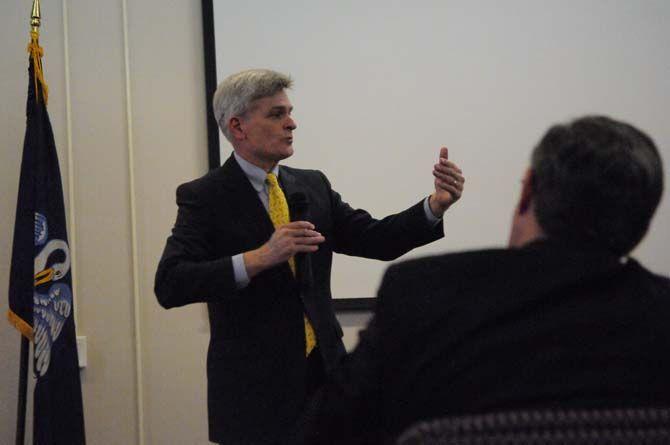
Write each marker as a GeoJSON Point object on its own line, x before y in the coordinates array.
{"type": "Point", "coordinates": [35, 16]}
{"type": "Point", "coordinates": [36, 51]}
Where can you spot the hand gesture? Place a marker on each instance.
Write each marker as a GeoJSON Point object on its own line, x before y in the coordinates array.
{"type": "Point", "coordinates": [449, 182]}
{"type": "Point", "coordinates": [287, 241]}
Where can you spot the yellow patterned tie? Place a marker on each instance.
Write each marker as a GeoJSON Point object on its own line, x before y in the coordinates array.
{"type": "Point", "coordinates": [278, 209]}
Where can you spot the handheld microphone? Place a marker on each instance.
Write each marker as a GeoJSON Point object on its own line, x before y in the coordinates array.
{"type": "Point", "coordinates": [299, 206]}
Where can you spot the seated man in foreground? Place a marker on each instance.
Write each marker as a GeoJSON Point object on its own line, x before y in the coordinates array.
{"type": "Point", "coordinates": [562, 318]}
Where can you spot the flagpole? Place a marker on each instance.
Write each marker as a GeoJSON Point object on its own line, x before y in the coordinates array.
{"type": "Point", "coordinates": [35, 21]}
{"type": "Point", "coordinates": [23, 391]}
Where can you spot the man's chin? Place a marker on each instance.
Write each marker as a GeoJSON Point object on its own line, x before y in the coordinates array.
{"type": "Point", "coordinates": [286, 153]}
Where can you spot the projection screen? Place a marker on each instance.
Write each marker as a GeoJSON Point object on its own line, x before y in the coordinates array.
{"type": "Point", "coordinates": [380, 86]}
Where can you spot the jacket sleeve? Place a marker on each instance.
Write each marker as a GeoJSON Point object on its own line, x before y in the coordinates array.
{"type": "Point", "coordinates": [189, 270]}
{"type": "Point", "coordinates": [357, 233]}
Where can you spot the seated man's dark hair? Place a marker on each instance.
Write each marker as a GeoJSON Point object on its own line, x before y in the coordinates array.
{"type": "Point", "coordinates": [596, 181]}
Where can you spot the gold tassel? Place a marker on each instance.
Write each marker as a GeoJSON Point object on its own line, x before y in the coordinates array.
{"type": "Point", "coordinates": [24, 328]}
{"type": "Point", "coordinates": [36, 52]}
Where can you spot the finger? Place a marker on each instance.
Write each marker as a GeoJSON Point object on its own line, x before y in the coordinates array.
{"type": "Point", "coordinates": [450, 164]}
{"type": "Point", "coordinates": [448, 180]}
{"type": "Point", "coordinates": [307, 233]}
{"type": "Point", "coordinates": [451, 178]}
{"type": "Point", "coordinates": [299, 225]}
{"type": "Point", "coordinates": [299, 233]}
{"type": "Point", "coordinates": [448, 170]}
{"type": "Point", "coordinates": [444, 153]}
{"type": "Point", "coordinates": [306, 248]}
{"type": "Point", "coordinates": [309, 240]}
{"type": "Point", "coordinates": [452, 189]}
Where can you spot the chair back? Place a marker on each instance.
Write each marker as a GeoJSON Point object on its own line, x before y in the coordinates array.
{"type": "Point", "coordinates": [643, 426]}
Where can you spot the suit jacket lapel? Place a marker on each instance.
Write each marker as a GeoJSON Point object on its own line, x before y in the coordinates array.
{"type": "Point", "coordinates": [236, 189]}
{"type": "Point", "coordinates": [290, 185]}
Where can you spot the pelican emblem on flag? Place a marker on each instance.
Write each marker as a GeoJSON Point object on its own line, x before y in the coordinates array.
{"type": "Point", "coordinates": [52, 301]}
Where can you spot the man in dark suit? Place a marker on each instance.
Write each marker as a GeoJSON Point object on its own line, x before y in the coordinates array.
{"type": "Point", "coordinates": [563, 318]}
{"type": "Point", "coordinates": [266, 279]}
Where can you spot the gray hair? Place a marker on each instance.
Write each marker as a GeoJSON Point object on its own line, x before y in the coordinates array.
{"type": "Point", "coordinates": [235, 94]}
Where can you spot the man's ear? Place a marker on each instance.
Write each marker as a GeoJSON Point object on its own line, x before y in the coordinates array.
{"type": "Point", "coordinates": [526, 192]}
{"type": "Point", "coordinates": [235, 128]}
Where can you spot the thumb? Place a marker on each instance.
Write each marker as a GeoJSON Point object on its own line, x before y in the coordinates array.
{"type": "Point", "coordinates": [444, 153]}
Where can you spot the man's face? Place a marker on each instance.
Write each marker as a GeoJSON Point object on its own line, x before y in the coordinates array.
{"type": "Point", "coordinates": [268, 128]}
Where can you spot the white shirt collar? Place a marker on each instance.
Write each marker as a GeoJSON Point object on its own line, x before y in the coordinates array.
{"type": "Point", "coordinates": [255, 174]}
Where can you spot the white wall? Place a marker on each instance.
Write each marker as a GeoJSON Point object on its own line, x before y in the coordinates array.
{"type": "Point", "coordinates": [159, 130]}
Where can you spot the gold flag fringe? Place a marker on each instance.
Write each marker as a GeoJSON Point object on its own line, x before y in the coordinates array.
{"type": "Point", "coordinates": [24, 328]}
{"type": "Point", "coordinates": [36, 52]}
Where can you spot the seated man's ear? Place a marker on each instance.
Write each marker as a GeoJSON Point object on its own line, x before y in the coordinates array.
{"type": "Point", "coordinates": [526, 192]}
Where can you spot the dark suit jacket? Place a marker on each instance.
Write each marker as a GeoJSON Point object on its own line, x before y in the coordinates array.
{"type": "Point", "coordinates": [255, 363]}
{"type": "Point", "coordinates": [542, 326]}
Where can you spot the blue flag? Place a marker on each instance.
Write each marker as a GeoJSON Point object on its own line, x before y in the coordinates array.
{"type": "Point", "coordinates": [40, 292]}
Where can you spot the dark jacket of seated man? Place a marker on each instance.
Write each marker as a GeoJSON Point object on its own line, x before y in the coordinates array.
{"type": "Point", "coordinates": [561, 319]}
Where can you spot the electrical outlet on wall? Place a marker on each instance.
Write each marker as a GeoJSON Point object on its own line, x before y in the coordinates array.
{"type": "Point", "coordinates": [81, 351]}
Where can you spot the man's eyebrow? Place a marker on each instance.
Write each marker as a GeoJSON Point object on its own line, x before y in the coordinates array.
{"type": "Point", "coordinates": [281, 108]}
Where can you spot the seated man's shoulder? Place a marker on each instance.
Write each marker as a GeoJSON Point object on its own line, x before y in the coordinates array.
{"type": "Point", "coordinates": [422, 290]}
{"type": "Point", "coordinates": [662, 282]}
{"type": "Point", "coordinates": [460, 264]}
{"type": "Point", "coordinates": [425, 284]}
{"type": "Point", "coordinates": [658, 284]}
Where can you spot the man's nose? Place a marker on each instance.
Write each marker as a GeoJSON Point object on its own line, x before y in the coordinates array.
{"type": "Point", "coordinates": [290, 123]}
